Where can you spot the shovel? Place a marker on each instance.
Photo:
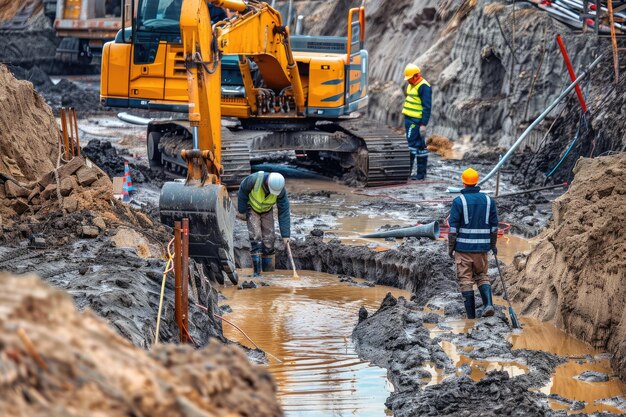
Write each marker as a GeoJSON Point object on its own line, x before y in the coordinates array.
{"type": "Point", "coordinates": [514, 322]}
{"type": "Point", "coordinates": [293, 265]}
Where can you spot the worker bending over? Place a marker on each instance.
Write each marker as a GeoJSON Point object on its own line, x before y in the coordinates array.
{"type": "Point", "coordinates": [473, 232]}
{"type": "Point", "coordinates": [258, 193]}
{"type": "Point", "coordinates": [416, 113]}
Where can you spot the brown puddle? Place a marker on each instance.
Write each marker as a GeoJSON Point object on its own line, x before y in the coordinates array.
{"type": "Point", "coordinates": [307, 324]}
{"type": "Point", "coordinates": [509, 245]}
{"type": "Point", "coordinates": [537, 335]}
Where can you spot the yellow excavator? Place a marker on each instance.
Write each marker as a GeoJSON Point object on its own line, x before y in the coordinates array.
{"type": "Point", "coordinates": [170, 58]}
{"type": "Point", "coordinates": [284, 92]}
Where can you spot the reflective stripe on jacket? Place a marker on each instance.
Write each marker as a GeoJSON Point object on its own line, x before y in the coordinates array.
{"type": "Point", "coordinates": [413, 103]}
{"type": "Point", "coordinates": [259, 201]}
{"type": "Point", "coordinates": [473, 217]}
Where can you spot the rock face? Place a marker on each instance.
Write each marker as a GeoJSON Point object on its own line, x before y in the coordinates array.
{"type": "Point", "coordinates": [28, 143]}
{"type": "Point", "coordinates": [49, 370]}
{"type": "Point", "coordinates": [576, 275]}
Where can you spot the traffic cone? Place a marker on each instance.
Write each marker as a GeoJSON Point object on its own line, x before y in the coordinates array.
{"type": "Point", "coordinates": [127, 180]}
{"type": "Point", "coordinates": [125, 192]}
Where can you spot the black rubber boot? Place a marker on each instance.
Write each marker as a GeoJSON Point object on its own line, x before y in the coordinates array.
{"type": "Point", "coordinates": [268, 262]}
{"type": "Point", "coordinates": [470, 304]}
{"type": "Point", "coordinates": [485, 294]}
{"type": "Point", "coordinates": [256, 265]}
{"type": "Point", "coordinates": [421, 161]}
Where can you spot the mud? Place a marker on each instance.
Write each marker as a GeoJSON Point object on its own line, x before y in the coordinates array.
{"type": "Point", "coordinates": [418, 346]}
{"type": "Point", "coordinates": [574, 276]}
{"type": "Point", "coordinates": [57, 361]}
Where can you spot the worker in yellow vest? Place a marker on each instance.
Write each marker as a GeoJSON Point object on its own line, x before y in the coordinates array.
{"type": "Point", "coordinates": [257, 195]}
{"type": "Point", "coordinates": [416, 113]}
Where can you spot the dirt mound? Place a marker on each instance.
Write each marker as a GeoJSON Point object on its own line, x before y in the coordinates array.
{"type": "Point", "coordinates": [28, 143]}
{"type": "Point", "coordinates": [439, 144]}
{"type": "Point", "coordinates": [9, 8]}
{"type": "Point", "coordinates": [57, 361]}
{"type": "Point", "coordinates": [575, 276]}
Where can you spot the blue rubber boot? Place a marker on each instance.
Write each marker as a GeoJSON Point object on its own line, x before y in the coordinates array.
{"type": "Point", "coordinates": [268, 263]}
{"type": "Point", "coordinates": [470, 304]}
{"type": "Point", "coordinates": [485, 294]}
{"type": "Point", "coordinates": [256, 265]}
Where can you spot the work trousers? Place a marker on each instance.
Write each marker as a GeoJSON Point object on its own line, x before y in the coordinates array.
{"type": "Point", "coordinates": [471, 268]}
{"type": "Point", "coordinates": [261, 232]}
{"type": "Point", "coordinates": [417, 147]}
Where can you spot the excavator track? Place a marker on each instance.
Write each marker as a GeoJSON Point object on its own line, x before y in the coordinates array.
{"type": "Point", "coordinates": [378, 155]}
{"type": "Point", "coordinates": [388, 158]}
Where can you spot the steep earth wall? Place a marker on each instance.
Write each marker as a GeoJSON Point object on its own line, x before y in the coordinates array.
{"type": "Point", "coordinates": [28, 142]}
{"type": "Point", "coordinates": [576, 275]}
{"type": "Point", "coordinates": [59, 362]}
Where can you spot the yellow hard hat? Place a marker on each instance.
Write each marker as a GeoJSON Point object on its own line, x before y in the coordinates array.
{"type": "Point", "coordinates": [410, 71]}
{"type": "Point", "coordinates": [469, 177]}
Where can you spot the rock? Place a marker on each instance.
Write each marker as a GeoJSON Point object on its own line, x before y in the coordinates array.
{"type": "Point", "coordinates": [34, 193]}
{"type": "Point", "coordinates": [103, 181]}
{"type": "Point", "coordinates": [99, 223]}
{"type": "Point", "coordinates": [68, 185]}
{"type": "Point", "coordinates": [19, 206]}
{"type": "Point", "coordinates": [363, 313]}
{"type": "Point", "coordinates": [247, 285]}
{"type": "Point", "coordinates": [317, 232]}
{"type": "Point", "coordinates": [64, 171]}
{"type": "Point", "coordinates": [70, 204]}
{"type": "Point", "coordinates": [388, 301]}
{"type": "Point", "coordinates": [86, 176]}
{"type": "Point", "coordinates": [14, 190]}
{"type": "Point", "coordinates": [88, 231]}
{"type": "Point", "coordinates": [49, 192]}
{"type": "Point", "coordinates": [592, 376]}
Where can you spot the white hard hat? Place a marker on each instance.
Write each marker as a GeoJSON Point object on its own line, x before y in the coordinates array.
{"type": "Point", "coordinates": [275, 183]}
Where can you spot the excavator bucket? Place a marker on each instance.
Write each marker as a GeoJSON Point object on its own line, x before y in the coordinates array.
{"type": "Point", "coordinates": [211, 221]}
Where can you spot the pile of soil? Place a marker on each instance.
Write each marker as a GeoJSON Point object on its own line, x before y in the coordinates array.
{"type": "Point", "coordinates": [59, 362]}
{"type": "Point", "coordinates": [439, 144]}
{"type": "Point", "coordinates": [9, 8]}
{"type": "Point", "coordinates": [398, 337]}
{"type": "Point", "coordinates": [575, 275]}
{"type": "Point", "coordinates": [28, 143]}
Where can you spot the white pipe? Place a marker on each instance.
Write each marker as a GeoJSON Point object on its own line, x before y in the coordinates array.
{"type": "Point", "coordinates": [132, 119]}
{"type": "Point", "coordinates": [299, 24]}
{"type": "Point", "coordinates": [534, 124]}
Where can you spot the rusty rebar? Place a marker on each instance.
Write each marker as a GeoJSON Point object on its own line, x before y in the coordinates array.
{"type": "Point", "coordinates": [77, 147]}
{"type": "Point", "coordinates": [185, 276]}
{"type": "Point", "coordinates": [178, 287]}
{"type": "Point", "coordinates": [66, 143]}
{"type": "Point", "coordinates": [70, 121]}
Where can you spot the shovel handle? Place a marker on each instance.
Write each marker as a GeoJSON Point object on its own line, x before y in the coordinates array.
{"type": "Point", "coordinates": [293, 265]}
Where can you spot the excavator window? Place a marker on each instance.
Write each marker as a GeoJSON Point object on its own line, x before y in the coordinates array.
{"type": "Point", "coordinates": [159, 16]}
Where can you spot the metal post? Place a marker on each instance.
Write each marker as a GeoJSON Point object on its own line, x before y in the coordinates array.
{"type": "Point", "coordinates": [289, 13]}
{"type": "Point", "coordinates": [185, 277]}
{"type": "Point", "coordinates": [66, 143]}
{"type": "Point", "coordinates": [76, 133]}
{"type": "Point", "coordinates": [178, 287]}
{"type": "Point", "coordinates": [570, 70]}
{"type": "Point", "coordinates": [70, 121]}
{"type": "Point", "coordinates": [498, 179]}
{"type": "Point", "coordinates": [299, 24]}
{"type": "Point", "coordinates": [613, 40]}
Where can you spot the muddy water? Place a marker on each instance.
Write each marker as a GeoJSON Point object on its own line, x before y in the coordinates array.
{"type": "Point", "coordinates": [306, 323]}
{"type": "Point", "coordinates": [581, 357]}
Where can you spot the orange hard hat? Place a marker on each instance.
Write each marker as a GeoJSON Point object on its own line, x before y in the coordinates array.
{"type": "Point", "coordinates": [410, 70]}
{"type": "Point", "coordinates": [469, 177]}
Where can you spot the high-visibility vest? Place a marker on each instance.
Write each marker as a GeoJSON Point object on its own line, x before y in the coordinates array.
{"type": "Point", "coordinates": [413, 102]}
{"type": "Point", "coordinates": [259, 201]}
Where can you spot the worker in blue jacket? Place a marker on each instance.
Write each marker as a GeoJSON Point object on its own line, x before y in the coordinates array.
{"type": "Point", "coordinates": [258, 193]}
{"type": "Point", "coordinates": [473, 232]}
{"type": "Point", "coordinates": [416, 111]}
